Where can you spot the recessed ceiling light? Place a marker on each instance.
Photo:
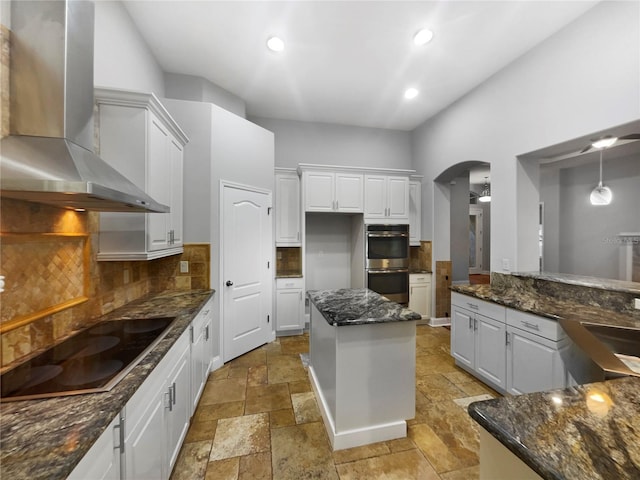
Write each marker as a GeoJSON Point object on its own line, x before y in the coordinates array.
{"type": "Point", "coordinates": [423, 36]}
{"type": "Point", "coordinates": [410, 93]}
{"type": "Point", "coordinates": [275, 44]}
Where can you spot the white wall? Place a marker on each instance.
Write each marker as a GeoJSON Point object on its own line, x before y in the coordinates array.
{"type": "Point", "coordinates": [198, 89]}
{"type": "Point", "coordinates": [554, 93]}
{"type": "Point", "coordinates": [328, 251]}
{"type": "Point", "coordinates": [122, 59]}
{"type": "Point", "coordinates": [328, 144]}
{"type": "Point", "coordinates": [586, 235]}
{"type": "Point", "coordinates": [459, 228]}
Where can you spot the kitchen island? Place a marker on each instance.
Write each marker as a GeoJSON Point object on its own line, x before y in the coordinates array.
{"type": "Point", "coordinates": [362, 350]}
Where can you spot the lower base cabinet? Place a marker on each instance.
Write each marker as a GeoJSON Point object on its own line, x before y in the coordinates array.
{"type": "Point", "coordinates": [159, 417]}
{"type": "Point", "coordinates": [420, 293]}
{"type": "Point", "coordinates": [289, 306]}
{"type": "Point", "coordinates": [510, 350]}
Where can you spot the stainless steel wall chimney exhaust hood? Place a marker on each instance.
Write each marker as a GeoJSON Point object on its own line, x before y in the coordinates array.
{"type": "Point", "coordinates": [48, 157]}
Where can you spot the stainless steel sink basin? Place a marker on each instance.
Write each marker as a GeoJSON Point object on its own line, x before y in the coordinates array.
{"type": "Point", "coordinates": [625, 341]}
{"type": "Point", "coordinates": [596, 351]}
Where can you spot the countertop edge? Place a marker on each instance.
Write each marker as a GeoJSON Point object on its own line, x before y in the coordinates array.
{"type": "Point", "coordinates": [512, 444]}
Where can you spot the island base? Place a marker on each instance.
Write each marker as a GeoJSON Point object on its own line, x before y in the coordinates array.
{"type": "Point", "coordinates": [358, 436]}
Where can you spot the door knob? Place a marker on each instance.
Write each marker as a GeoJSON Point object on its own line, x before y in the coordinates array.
{"type": "Point", "coordinates": [229, 283]}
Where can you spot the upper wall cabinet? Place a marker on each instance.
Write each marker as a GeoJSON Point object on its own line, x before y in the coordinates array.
{"type": "Point", "coordinates": [386, 198]}
{"type": "Point", "coordinates": [138, 137]}
{"type": "Point", "coordinates": [415, 212]}
{"type": "Point", "coordinates": [287, 213]}
{"type": "Point", "coordinates": [337, 191]}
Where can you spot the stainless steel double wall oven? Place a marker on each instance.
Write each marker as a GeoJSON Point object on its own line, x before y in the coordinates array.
{"type": "Point", "coordinates": [387, 261]}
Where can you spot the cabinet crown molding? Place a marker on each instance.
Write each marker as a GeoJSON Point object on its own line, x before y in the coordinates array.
{"type": "Point", "coordinates": [302, 167]}
{"type": "Point", "coordinates": [148, 100]}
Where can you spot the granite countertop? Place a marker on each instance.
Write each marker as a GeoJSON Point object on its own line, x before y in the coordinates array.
{"type": "Point", "coordinates": [548, 306]}
{"type": "Point", "coordinates": [418, 271]}
{"type": "Point", "coordinates": [596, 426]}
{"type": "Point", "coordinates": [46, 438]}
{"type": "Point", "coordinates": [350, 306]}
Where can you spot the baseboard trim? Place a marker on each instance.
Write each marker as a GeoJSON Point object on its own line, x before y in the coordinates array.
{"type": "Point", "coordinates": [355, 437]}
{"type": "Point", "coordinates": [440, 321]}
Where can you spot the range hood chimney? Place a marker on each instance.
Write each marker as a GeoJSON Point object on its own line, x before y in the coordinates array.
{"type": "Point", "coordinates": [48, 158]}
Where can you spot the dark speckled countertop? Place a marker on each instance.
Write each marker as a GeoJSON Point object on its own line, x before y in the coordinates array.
{"type": "Point", "coordinates": [351, 306]}
{"type": "Point", "coordinates": [45, 439]}
{"type": "Point", "coordinates": [587, 432]}
{"type": "Point", "coordinates": [549, 306]}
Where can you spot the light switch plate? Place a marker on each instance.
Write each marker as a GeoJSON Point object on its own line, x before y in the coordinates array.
{"type": "Point", "coordinates": [184, 266]}
{"type": "Point", "coordinates": [636, 303]}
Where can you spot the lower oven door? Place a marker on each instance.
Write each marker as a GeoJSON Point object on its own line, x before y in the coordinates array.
{"type": "Point", "coordinates": [393, 284]}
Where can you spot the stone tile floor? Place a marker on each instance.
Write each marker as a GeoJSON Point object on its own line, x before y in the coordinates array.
{"type": "Point", "coordinates": [258, 419]}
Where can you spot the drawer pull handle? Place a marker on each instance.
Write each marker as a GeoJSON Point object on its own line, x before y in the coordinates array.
{"type": "Point", "coordinates": [473, 306]}
{"type": "Point", "coordinates": [533, 326]}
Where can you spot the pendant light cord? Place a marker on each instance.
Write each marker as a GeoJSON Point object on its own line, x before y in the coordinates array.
{"type": "Point", "coordinates": [600, 184]}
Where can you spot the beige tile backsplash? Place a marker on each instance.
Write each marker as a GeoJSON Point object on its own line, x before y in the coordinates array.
{"type": "Point", "coordinates": [45, 264]}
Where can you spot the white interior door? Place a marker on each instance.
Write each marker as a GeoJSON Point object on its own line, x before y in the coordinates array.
{"type": "Point", "coordinates": [246, 263]}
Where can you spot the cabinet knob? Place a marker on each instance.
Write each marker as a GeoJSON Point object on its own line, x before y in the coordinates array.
{"type": "Point", "coordinates": [229, 283]}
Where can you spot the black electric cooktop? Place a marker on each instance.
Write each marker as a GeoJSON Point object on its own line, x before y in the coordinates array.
{"type": "Point", "coordinates": [93, 360]}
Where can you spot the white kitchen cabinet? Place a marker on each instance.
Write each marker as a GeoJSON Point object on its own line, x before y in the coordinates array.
{"type": "Point", "coordinates": [420, 293]}
{"type": "Point", "coordinates": [327, 191]}
{"type": "Point", "coordinates": [287, 214]}
{"type": "Point", "coordinates": [415, 212]}
{"type": "Point", "coordinates": [290, 315]}
{"type": "Point", "coordinates": [201, 352]}
{"type": "Point", "coordinates": [139, 138]}
{"type": "Point", "coordinates": [478, 338]}
{"type": "Point", "coordinates": [386, 198]}
{"type": "Point", "coordinates": [102, 461]}
{"type": "Point", "coordinates": [534, 363]}
{"type": "Point", "coordinates": [157, 416]}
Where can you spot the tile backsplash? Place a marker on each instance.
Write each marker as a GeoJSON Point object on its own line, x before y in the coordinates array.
{"type": "Point", "coordinates": [49, 256]}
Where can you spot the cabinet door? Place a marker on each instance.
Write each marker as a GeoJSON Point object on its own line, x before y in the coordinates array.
{"type": "Point", "coordinates": [319, 191]}
{"type": "Point", "coordinates": [490, 345]}
{"type": "Point", "coordinates": [145, 451]}
{"type": "Point", "coordinates": [102, 461]}
{"type": "Point", "coordinates": [289, 309]}
{"type": "Point", "coordinates": [349, 192]}
{"type": "Point", "coordinates": [375, 196]}
{"type": "Point", "coordinates": [462, 336]}
{"type": "Point", "coordinates": [287, 210]}
{"type": "Point", "coordinates": [179, 412]}
{"type": "Point", "coordinates": [398, 197]}
{"type": "Point", "coordinates": [419, 298]}
{"type": "Point", "coordinates": [533, 363]}
{"type": "Point", "coordinates": [415, 208]}
{"type": "Point", "coordinates": [158, 183]}
{"type": "Point", "coordinates": [177, 194]}
{"type": "Point", "coordinates": [199, 363]}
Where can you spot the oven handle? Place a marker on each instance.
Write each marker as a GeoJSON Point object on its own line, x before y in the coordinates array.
{"type": "Point", "coordinates": [395, 270]}
{"type": "Point", "coordinates": [387, 235]}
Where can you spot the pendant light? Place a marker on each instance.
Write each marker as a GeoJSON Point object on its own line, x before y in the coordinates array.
{"type": "Point", "coordinates": [485, 195]}
{"type": "Point", "coordinates": [601, 195]}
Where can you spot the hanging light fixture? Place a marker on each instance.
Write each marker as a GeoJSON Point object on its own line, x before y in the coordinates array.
{"type": "Point", "coordinates": [601, 195]}
{"type": "Point", "coordinates": [485, 195]}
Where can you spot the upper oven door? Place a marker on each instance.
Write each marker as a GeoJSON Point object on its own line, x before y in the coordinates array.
{"type": "Point", "coordinates": [388, 248]}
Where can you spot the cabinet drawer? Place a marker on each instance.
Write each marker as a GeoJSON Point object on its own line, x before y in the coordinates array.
{"type": "Point", "coordinates": [488, 309]}
{"type": "Point", "coordinates": [203, 315]}
{"type": "Point", "coordinates": [419, 278]}
{"type": "Point", "coordinates": [286, 283]}
{"type": "Point", "coordinates": [542, 326]}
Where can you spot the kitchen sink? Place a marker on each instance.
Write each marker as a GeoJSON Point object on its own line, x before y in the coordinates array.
{"type": "Point", "coordinates": [599, 352]}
